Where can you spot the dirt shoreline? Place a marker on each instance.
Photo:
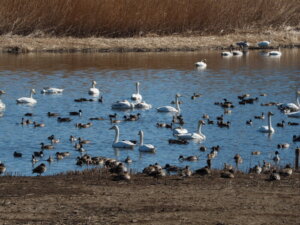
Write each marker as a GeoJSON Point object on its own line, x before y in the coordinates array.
{"type": "Point", "coordinates": [94, 197]}
{"type": "Point", "coordinates": [33, 43]}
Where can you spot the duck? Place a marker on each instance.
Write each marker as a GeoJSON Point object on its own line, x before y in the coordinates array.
{"type": "Point", "coordinates": [38, 154]}
{"type": "Point", "coordinates": [203, 171]}
{"type": "Point", "coordinates": [83, 141]}
{"type": "Point", "coordinates": [137, 96]}
{"type": "Point", "coordinates": [179, 142]}
{"type": "Point", "coordinates": [145, 147]}
{"type": "Point", "coordinates": [53, 139]}
{"type": "Point", "coordinates": [276, 158]}
{"type": "Point", "coordinates": [50, 159]}
{"type": "Point", "coordinates": [120, 144]}
{"type": "Point", "coordinates": [2, 167]}
{"type": "Point", "coordinates": [238, 159]}
{"type": "Point", "coordinates": [96, 118]}
{"type": "Point", "coordinates": [52, 114]}
{"type": "Point", "coordinates": [64, 119]}
{"type": "Point", "coordinates": [40, 169]}
{"type": "Point", "coordinates": [34, 159]}
{"type": "Point", "coordinates": [35, 124]}
{"type": "Point", "coordinates": [79, 113]}
{"type": "Point", "coordinates": [27, 100]}
{"type": "Point", "coordinates": [93, 90]}
{"type": "Point", "coordinates": [249, 122]}
{"type": "Point", "coordinates": [28, 114]}
{"type": "Point", "coordinates": [201, 64]}
{"type": "Point", "coordinates": [261, 117]}
{"type": "Point", "coordinates": [264, 44]}
{"type": "Point", "coordinates": [287, 171]}
{"type": "Point", "coordinates": [72, 138]}
{"type": "Point", "coordinates": [186, 172]}
{"type": "Point", "coordinates": [18, 154]}
{"type": "Point", "coordinates": [268, 129]}
{"type": "Point", "coordinates": [282, 124]}
{"type": "Point", "coordinates": [197, 135]}
{"type": "Point", "coordinates": [284, 145]}
{"type": "Point", "coordinates": [125, 104]}
{"type": "Point", "coordinates": [170, 108]}
{"type": "Point", "coordinates": [293, 124]}
{"type": "Point", "coordinates": [242, 44]}
{"type": "Point", "coordinates": [51, 90]}
{"type": "Point", "coordinates": [128, 160]}
{"type": "Point", "coordinates": [256, 169]}
{"type": "Point", "coordinates": [171, 168]}
{"type": "Point", "coordinates": [188, 158]}
{"type": "Point", "coordinates": [274, 176]}
{"type": "Point", "coordinates": [48, 147]}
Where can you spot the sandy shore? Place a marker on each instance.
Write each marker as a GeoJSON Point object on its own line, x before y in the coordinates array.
{"type": "Point", "coordinates": [23, 44]}
{"type": "Point", "coordinates": [94, 197]}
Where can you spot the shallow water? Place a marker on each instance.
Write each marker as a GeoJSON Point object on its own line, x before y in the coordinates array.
{"type": "Point", "coordinates": [161, 75]}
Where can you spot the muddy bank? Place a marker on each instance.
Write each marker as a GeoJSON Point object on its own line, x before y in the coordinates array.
{"type": "Point", "coordinates": [94, 197]}
{"type": "Point", "coordinates": [26, 44]}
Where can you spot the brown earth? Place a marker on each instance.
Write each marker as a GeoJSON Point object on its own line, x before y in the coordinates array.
{"type": "Point", "coordinates": [32, 43]}
{"type": "Point", "coordinates": [94, 197]}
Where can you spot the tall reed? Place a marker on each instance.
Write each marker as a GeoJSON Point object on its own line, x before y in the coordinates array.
{"type": "Point", "coordinates": [121, 18]}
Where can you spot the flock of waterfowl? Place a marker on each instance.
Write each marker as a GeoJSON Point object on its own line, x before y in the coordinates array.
{"type": "Point", "coordinates": [180, 135]}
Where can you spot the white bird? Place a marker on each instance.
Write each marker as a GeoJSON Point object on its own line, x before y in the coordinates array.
{"type": "Point", "coordinates": [293, 114]}
{"type": "Point", "coordinates": [125, 104]}
{"type": "Point", "coordinates": [201, 64]}
{"type": "Point", "coordinates": [268, 129]}
{"type": "Point", "coordinates": [263, 44]}
{"type": "Point", "coordinates": [291, 107]}
{"type": "Point", "coordinates": [237, 53]}
{"type": "Point", "coordinates": [28, 100]}
{"type": "Point", "coordinates": [120, 144]}
{"type": "Point", "coordinates": [226, 54]}
{"type": "Point", "coordinates": [93, 90]}
{"type": "Point", "coordinates": [275, 53]}
{"type": "Point", "coordinates": [170, 108]}
{"type": "Point", "coordinates": [179, 130]}
{"type": "Point", "coordinates": [145, 147]}
{"type": "Point", "coordinates": [50, 90]}
{"type": "Point", "coordinates": [2, 105]}
{"type": "Point", "coordinates": [142, 105]}
{"type": "Point", "coordinates": [137, 96]}
{"type": "Point", "coordinates": [197, 135]}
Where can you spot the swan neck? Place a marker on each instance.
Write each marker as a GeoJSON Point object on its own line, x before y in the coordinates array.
{"type": "Point", "coordinates": [117, 135]}
{"type": "Point", "coordinates": [177, 104]}
{"type": "Point", "coordinates": [199, 128]}
{"type": "Point", "coordinates": [31, 94]}
{"type": "Point", "coordinates": [269, 122]}
{"type": "Point", "coordinates": [298, 101]}
{"type": "Point", "coordinates": [137, 88]}
{"type": "Point", "coordinates": [141, 138]}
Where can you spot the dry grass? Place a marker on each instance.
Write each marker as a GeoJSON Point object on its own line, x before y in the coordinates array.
{"type": "Point", "coordinates": [127, 18]}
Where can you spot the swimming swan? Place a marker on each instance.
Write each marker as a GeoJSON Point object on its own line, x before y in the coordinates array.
{"type": "Point", "coordinates": [142, 105]}
{"type": "Point", "coordinates": [137, 96]}
{"type": "Point", "coordinates": [27, 100]}
{"type": "Point", "coordinates": [291, 107]}
{"type": "Point", "coordinates": [170, 108]}
{"type": "Point", "coordinates": [202, 64]}
{"type": "Point", "coordinates": [50, 90]}
{"type": "Point", "coordinates": [93, 90]}
{"type": "Point", "coordinates": [120, 144]}
{"type": "Point", "coordinates": [125, 104]}
{"type": "Point", "coordinates": [145, 147]}
{"type": "Point", "coordinates": [263, 44]}
{"type": "Point", "coordinates": [267, 129]}
{"type": "Point", "coordinates": [179, 130]}
{"type": "Point", "coordinates": [197, 135]}
{"type": "Point", "coordinates": [2, 105]}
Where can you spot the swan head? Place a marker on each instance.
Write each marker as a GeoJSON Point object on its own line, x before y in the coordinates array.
{"type": "Point", "coordinates": [113, 127]}
{"type": "Point", "coordinates": [94, 82]}
{"type": "Point", "coordinates": [140, 132]}
{"type": "Point", "coordinates": [33, 91]}
{"type": "Point", "coordinates": [178, 95]}
{"type": "Point", "coordinates": [270, 114]}
{"type": "Point", "coordinates": [201, 122]}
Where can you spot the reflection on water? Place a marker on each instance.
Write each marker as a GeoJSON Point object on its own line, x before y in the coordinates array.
{"type": "Point", "coordinates": [161, 75]}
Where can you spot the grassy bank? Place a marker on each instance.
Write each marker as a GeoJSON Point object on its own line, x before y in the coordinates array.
{"type": "Point", "coordinates": [127, 18]}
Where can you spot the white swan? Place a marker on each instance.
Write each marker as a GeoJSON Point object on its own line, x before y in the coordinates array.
{"type": "Point", "coordinates": [263, 44]}
{"type": "Point", "coordinates": [137, 96]}
{"type": "Point", "coordinates": [275, 53]}
{"type": "Point", "coordinates": [179, 130]}
{"type": "Point", "coordinates": [291, 107]}
{"type": "Point", "coordinates": [237, 53]}
{"type": "Point", "coordinates": [93, 90]}
{"type": "Point", "coordinates": [142, 105]}
{"type": "Point", "coordinates": [27, 100]}
{"type": "Point", "coordinates": [122, 105]}
{"type": "Point", "coordinates": [293, 114]}
{"type": "Point", "coordinates": [50, 90]}
{"type": "Point", "coordinates": [197, 135]}
{"type": "Point", "coordinates": [226, 54]}
{"type": "Point", "coordinates": [120, 144]}
{"type": "Point", "coordinates": [2, 105]}
{"type": "Point", "coordinates": [201, 64]}
{"type": "Point", "coordinates": [145, 147]}
{"type": "Point", "coordinates": [268, 129]}
{"type": "Point", "coordinates": [170, 108]}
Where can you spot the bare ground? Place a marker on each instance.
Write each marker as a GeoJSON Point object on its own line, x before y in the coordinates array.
{"type": "Point", "coordinates": [150, 43]}
{"type": "Point", "coordinates": [94, 197]}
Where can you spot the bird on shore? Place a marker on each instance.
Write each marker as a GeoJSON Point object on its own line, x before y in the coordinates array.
{"type": "Point", "coordinates": [39, 169]}
{"type": "Point", "coordinates": [2, 167]}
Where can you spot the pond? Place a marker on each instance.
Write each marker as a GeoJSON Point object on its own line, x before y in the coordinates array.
{"type": "Point", "coordinates": [161, 77]}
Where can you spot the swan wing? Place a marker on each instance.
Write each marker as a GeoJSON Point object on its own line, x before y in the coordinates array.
{"type": "Point", "coordinates": [167, 109]}
{"type": "Point", "coordinates": [94, 91]}
{"type": "Point", "coordinates": [177, 131]}
{"type": "Point", "coordinates": [147, 148]}
{"type": "Point", "coordinates": [123, 144]}
{"type": "Point", "coordinates": [26, 100]}
{"type": "Point", "coordinates": [294, 114]}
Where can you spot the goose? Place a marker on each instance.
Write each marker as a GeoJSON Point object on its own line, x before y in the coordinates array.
{"type": "Point", "coordinates": [40, 169]}
{"type": "Point", "coordinates": [2, 167]}
{"type": "Point", "coordinates": [198, 135]}
{"type": "Point", "coordinates": [170, 108]}
{"type": "Point", "coordinates": [51, 90]}
{"type": "Point", "coordinates": [2, 105]}
{"type": "Point", "coordinates": [201, 64]}
{"type": "Point", "coordinates": [142, 105]}
{"type": "Point", "coordinates": [120, 144]}
{"type": "Point", "coordinates": [27, 100]}
{"type": "Point", "coordinates": [145, 147]}
{"type": "Point", "coordinates": [93, 90]}
{"type": "Point", "coordinates": [125, 104]}
{"type": "Point", "coordinates": [269, 128]}
{"type": "Point", "coordinates": [264, 44]}
{"type": "Point", "coordinates": [137, 96]}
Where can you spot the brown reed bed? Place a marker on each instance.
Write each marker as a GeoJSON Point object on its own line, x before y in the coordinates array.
{"type": "Point", "coordinates": [127, 18]}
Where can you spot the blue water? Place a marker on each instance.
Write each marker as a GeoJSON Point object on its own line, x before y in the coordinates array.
{"type": "Point", "coordinates": [161, 75]}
